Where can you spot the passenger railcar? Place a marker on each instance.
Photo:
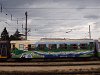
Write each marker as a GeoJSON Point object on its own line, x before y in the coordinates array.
{"type": "Point", "coordinates": [55, 48]}
{"type": "Point", "coordinates": [50, 48]}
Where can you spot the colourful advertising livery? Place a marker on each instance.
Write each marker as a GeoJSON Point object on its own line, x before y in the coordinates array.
{"type": "Point", "coordinates": [55, 48]}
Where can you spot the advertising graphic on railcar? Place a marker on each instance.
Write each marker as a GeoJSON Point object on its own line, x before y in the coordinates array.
{"type": "Point", "coordinates": [53, 49]}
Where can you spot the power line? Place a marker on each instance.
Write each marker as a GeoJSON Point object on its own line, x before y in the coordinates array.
{"type": "Point", "coordinates": [58, 19]}
{"type": "Point", "coordinates": [53, 8]}
{"type": "Point", "coordinates": [2, 7]}
{"type": "Point", "coordinates": [89, 32]}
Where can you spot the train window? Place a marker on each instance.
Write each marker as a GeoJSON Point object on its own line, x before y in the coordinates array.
{"type": "Point", "coordinates": [13, 47]}
{"type": "Point", "coordinates": [3, 52]}
{"type": "Point", "coordinates": [63, 46]}
{"type": "Point", "coordinates": [3, 49]}
{"type": "Point", "coordinates": [41, 46]}
{"type": "Point", "coordinates": [21, 46]}
{"type": "Point", "coordinates": [73, 46]}
{"type": "Point", "coordinates": [52, 46]}
{"type": "Point", "coordinates": [99, 45]}
{"type": "Point", "coordinates": [31, 46]}
{"type": "Point", "coordinates": [84, 46]}
{"type": "Point", "coordinates": [91, 45]}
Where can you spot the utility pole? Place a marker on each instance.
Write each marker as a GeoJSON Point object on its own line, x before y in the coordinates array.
{"type": "Point", "coordinates": [89, 32]}
{"type": "Point", "coordinates": [1, 8]}
{"type": "Point", "coordinates": [17, 23]}
{"type": "Point", "coordinates": [26, 26]}
{"type": "Point", "coordinates": [22, 28]}
{"type": "Point", "coordinates": [11, 16]}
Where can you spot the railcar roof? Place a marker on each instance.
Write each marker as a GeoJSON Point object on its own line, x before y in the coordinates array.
{"type": "Point", "coordinates": [23, 41]}
{"type": "Point", "coordinates": [65, 40]}
{"type": "Point", "coordinates": [54, 40]}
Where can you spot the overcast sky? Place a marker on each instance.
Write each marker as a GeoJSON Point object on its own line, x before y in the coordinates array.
{"type": "Point", "coordinates": [52, 18]}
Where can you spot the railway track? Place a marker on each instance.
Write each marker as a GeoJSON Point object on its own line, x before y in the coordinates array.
{"type": "Point", "coordinates": [53, 68]}
{"type": "Point", "coordinates": [50, 63]}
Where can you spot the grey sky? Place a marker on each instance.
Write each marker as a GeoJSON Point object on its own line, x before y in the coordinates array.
{"type": "Point", "coordinates": [53, 18]}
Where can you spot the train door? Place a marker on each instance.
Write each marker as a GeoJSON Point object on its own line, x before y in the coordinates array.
{"type": "Point", "coordinates": [3, 50]}
{"type": "Point", "coordinates": [0, 50]}
{"type": "Point", "coordinates": [99, 46]}
{"type": "Point", "coordinates": [96, 48]}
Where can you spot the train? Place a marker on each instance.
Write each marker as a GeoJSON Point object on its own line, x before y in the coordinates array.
{"type": "Point", "coordinates": [50, 48]}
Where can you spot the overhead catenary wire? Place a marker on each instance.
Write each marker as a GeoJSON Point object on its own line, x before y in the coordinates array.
{"type": "Point", "coordinates": [51, 8]}
{"type": "Point", "coordinates": [58, 19]}
{"type": "Point", "coordinates": [6, 18]}
{"type": "Point", "coordinates": [2, 7]}
{"type": "Point", "coordinates": [6, 10]}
